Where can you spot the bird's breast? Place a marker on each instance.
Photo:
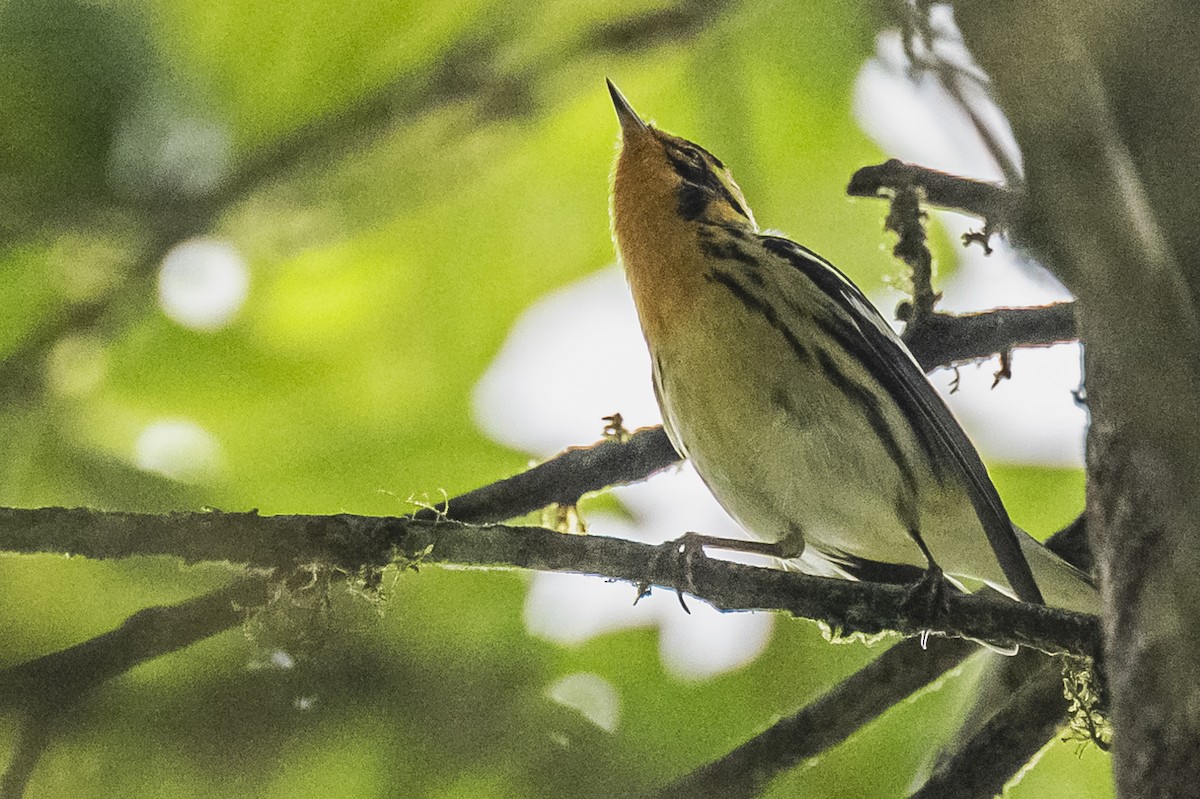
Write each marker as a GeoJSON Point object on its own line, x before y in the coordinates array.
{"type": "Point", "coordinates": [775, 438]}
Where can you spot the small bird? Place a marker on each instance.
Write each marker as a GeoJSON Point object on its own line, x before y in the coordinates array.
{"type": "Point", "coordinates": [802, 410]}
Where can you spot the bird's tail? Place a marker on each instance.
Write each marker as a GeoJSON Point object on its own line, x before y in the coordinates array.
{"type": "Point", "coordinates": [1062, 585]}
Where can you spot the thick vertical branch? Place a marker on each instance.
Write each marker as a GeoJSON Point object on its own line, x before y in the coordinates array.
{"type": "Point", "coordinates": [1098, 96]}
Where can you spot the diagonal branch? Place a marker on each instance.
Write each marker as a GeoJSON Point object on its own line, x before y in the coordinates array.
{"type": "Point", "coordinates": [563, 479]}
{"type": "Point", "coordinates": [45, 687]}
{"type": "Point", "coordinates": [824, 723]}
{"type": "Point", "coordinates": [1007, 741]}
{"type": "Point", "coordinates": [147, 634]}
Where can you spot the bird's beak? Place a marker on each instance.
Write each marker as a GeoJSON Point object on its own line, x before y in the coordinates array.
{"type": "Point", "coordinates": [631, 123]}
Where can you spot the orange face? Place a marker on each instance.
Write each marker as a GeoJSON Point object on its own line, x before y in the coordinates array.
{"type": "Point", "coordinates": [665, 191]}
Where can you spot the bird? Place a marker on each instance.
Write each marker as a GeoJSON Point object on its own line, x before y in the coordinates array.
{"type": "Point", "coordinates": [801, 409]}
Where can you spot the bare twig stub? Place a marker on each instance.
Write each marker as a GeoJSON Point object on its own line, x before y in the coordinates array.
{"type": "Point", "coordinates": [943, 339]}
{"type": "Point", "coordinates": [906, 219]}
{"type": "Point", "coordinates": [563, 479]}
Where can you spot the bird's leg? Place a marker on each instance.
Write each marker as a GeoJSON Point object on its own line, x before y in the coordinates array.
{"type": "Point", "coordinates": [927, 596]}
{"type": "Point", "coordinates": [687, 547]}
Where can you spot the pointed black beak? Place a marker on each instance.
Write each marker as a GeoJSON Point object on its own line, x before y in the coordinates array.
{"type": "Point", "coordinates": [629, 119]}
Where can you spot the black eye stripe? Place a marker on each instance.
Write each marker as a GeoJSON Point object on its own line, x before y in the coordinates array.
{"type": "Point", "coordinates": [699, 180]}
{"type": "Point", "coordinates": [690, 170]}
{"type": "Point", "coordinates": [698, 153]}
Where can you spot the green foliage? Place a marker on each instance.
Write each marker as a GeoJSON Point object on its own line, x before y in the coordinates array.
{"type": "Point", "coordinates": [457, 171]}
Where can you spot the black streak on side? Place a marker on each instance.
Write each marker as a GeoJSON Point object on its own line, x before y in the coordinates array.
{"type": "Point", "coordinates": [716, 244]}
{"type": "Point", "coordinates": [874, 416]}
{"type": "Point", "coordinates": [933, 424]}
{"type": "Point", "coordinates": [736, 231]}
{"type": "Point", "coordinates": [757, 306]}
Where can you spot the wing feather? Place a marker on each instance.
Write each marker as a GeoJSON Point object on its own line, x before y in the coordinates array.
{"type": "Point", "coordinates": [871, 339]}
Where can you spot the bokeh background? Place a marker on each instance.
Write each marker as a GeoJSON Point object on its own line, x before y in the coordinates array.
{"type": "Point", "coordinates": [322, 257]}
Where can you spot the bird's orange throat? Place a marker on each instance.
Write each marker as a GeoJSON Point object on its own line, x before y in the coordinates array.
{"type": "Point", "coordinates": [658, 248]}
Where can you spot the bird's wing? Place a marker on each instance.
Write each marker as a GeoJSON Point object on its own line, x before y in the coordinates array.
{"type": "Point", "coordinates": [881, 351]}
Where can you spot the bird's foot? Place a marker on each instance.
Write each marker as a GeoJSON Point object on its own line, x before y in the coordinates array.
{"type": "Point", "coordinates": [682, 553]}
{"type": "Point", "coordinates": [928, 598]}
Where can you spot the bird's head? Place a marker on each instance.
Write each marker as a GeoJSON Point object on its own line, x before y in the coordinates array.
{"type": "Point", "coordinates": [659, 172]}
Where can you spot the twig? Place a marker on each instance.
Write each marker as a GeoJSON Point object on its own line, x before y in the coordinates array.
{"type": "Point", "coordinates": [917, 25]}
{"type": "Point", "coordinates": [906, 219]}
{"type": "Point", "coordinates": [988, 201]}
{"type": "Point", "coordinates": [944, 339]}
{"type": "Point", "coordinates": [563, 479]}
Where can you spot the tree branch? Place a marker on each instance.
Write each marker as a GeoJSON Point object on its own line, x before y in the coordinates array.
{"type": "Point", "coordinates": [46, 687]}
{"type": "Point", "coordinates": [991, 202]}
{"type": "Point", "coordinates": [868, 693]}
{"type": "Point", "coordinates": [943, 339]}
{"type": "Point", "coordinates": [938, 339]}
{"type": "Point", "coordinates": [350, 542]}
{"type": "Point", "coordinates": [563, 479]}
{"type": "Point", "coordinates": [1006, 742]}
{"type": "Point", "coordinates": [55, 681]}
{"type": "Point", "coordinates": [825, 722]}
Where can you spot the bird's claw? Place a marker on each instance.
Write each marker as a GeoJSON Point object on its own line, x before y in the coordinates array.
{"type": "Point", "coordinates": [927, 598]}
{"type": "Point", "coordinates": [683, 552]}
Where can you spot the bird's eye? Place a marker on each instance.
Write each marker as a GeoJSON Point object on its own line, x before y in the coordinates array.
{"type": "Point", "coordinates": [693, 155]}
